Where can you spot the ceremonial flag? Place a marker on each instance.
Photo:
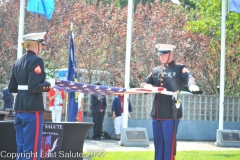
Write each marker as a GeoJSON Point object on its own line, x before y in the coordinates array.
{"type": "Point", "coordinates": [89, 88]}
{"type": "Point", "coordinates": [48, 6]}
{"type": "Point", "coordinates": [234, 6]}
{"type": "Point", "coordinates": [105, 90]}
{"type": "Point", "coordinates": [43, 7]}
{"type": "Point", "coordinates": [35, 6]}
{"type": "Point", "coordinates": [72, 76]}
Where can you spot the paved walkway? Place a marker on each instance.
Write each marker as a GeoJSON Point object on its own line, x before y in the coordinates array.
{"type": "Point", "coordinates": [113, 145]}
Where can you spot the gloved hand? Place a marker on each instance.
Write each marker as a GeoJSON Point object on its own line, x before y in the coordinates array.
{"type": "Point", "coordinates": [46, 86]}
{"type": "Point", "coordinates": [193, 88]}
{"type": "Point", "coordinates": [146, 86]}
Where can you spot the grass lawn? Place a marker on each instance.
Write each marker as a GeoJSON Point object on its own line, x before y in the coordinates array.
{"type": "Point", "coordinates": [183, 155]}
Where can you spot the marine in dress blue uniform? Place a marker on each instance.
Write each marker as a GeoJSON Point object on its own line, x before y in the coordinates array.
{"type": "Point", "coordinates": [172, 76]}
{"type": "Point", "coordinates": [28, 81]}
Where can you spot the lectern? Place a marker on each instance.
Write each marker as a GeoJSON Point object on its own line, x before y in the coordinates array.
{"type": "Point", "coordinates": [74, 134]}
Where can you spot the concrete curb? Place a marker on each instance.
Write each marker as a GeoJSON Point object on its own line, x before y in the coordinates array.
{"type": "Point", "coordinates": [113, 145]}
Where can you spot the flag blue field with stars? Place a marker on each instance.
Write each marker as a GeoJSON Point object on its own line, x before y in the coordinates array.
{"type": "Point", "coordinates": [88, 88]}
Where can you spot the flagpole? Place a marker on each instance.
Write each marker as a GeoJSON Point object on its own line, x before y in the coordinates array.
{"type": "Point", "coordinates": [21, 27]}
{"type": "Point", "coordinates": [222, 69]}
{"type": "Point", "coordinates": [127, 62]}
{"type": "Point", "coordinates": [71, 27]}
{"type": "Point", "coordinates": [66, 107]}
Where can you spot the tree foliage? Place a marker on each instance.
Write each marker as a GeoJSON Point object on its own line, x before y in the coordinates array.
{"type": "Point", "coordinates": [100, 39]}
{"type": "Point", "coordinates": [207, 19]}
{"type": "Point", "coordinates": [8, 42]}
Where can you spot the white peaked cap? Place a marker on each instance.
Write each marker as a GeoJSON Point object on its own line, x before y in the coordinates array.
{"type": "Point", "coordinates": [165, 47]}
{"type": "Point", "coordinates": [34, 36]}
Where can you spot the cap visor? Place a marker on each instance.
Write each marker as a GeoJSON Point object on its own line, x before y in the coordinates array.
{"type": "Point", "coordinates": [163, 52]}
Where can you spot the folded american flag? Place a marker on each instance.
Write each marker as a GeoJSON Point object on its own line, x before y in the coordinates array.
{"type": "Point", "coordinates": [87, 88]}
{"type": "Point", "coordinates": [104, 90]}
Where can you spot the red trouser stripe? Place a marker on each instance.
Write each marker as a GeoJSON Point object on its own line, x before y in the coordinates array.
{"type": "Point", "coordinates": [36, 136]}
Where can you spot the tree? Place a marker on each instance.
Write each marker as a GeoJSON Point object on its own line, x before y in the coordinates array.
{"type": "Point", "coordinates": [100, 38]}
{"type": "Point", "coordinates": [206, 19]}
{"type": "Point", "coordinates": [8, 38]}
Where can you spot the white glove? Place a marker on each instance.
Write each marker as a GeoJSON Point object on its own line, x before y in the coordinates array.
{"type": "Point", "coordinates": [193, 88]}
{"type": "Point", "coordinates": [52, 82]}
{"type": "Point", "coordinates": [148, 86]}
